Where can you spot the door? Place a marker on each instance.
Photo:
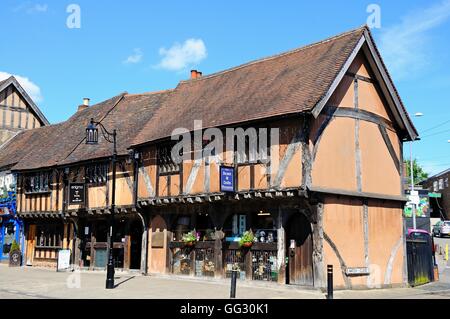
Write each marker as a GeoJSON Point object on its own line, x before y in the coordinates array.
{"type": "Point", "coordinates": [299, 251]}
{"type": "Point", "coordinates": [30, 244]}
{"type": "Point", "coordinates": [135, 245]}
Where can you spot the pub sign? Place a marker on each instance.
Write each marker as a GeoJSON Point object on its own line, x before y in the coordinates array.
{"type": "Point", "coordinates": [76, 193]}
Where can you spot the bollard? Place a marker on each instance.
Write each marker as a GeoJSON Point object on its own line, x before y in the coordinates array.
{"type": "Point", "coordinates": [330, 281]}
{"type": "Point", "coordinates": [233, 284]}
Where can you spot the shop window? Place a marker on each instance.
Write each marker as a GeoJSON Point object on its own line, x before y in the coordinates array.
{"type": "Point", "coordinates": [165, 161]}
{"type": "Point", "coordinates": [49, 236]}
{"type": "Point", "coordinates": [101, 232]}
{"type": "Point", "coordinates": [264, 227]}
{"type": "Point", "coordinates": [235, 226]}
{"type": "Point", "coordinates": [97, 174]}
{"type": "Point", "coordinates": [38, 182]}
{"type": "Point", "coordinates": [261, 223]}
{"type": "Point", "coordinates": [182, 226]}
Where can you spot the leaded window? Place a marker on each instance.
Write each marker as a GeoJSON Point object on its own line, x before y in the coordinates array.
{"type": "Point", "coordinates": [166, 163]}
{"type": "Point", "coordinates": [97, 173]}
{"type": "Point", "coordinates": [38, 182]}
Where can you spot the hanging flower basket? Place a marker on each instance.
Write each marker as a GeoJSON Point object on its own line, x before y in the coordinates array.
{"type": "Point", "coordinates": [190, 238]}
{"type": "Point", "coordinates": [247, 244]}
{"type": "Point", "coordinates": [246, 240]}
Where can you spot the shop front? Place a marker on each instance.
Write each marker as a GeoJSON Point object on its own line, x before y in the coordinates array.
{"type": "Point", "coordinates": [93, 239]}
{"type": "Point", "coordinates": [211, 241]}
{"type": "Point", "coordinates": [10, 231]}
{"type": "Point", "coordinates": [11, 227]}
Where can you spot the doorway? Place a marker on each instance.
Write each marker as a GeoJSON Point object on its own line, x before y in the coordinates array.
{"type": "Point", "coordinates": [299, 248]}
{"type": "Point", "coordinates": [135, 244]}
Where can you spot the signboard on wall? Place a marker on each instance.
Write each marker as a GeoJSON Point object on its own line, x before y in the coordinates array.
{"type": "Point", "coordinates": [63, 260]}
{"type": "Point", "coordinates": [227, 179]}
{"type": "Point", "coordinates": [76, 193]}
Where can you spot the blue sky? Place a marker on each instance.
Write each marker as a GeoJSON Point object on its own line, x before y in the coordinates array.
{"type": "Point", "coordinates": [140, 46]}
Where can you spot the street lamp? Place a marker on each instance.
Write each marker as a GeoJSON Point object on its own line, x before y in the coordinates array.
{"type": "Point", "coordinates": [92, 139]}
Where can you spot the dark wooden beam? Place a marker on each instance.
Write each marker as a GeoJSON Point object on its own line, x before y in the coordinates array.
{"type": "Point", "coordinates": [343, 192]}
{"type": "Point", "coordinates": [388, 143]}
{"type": "Point", "coordinates": [360, 77]}
{"type": "Point", "coordinates": [363, 115]}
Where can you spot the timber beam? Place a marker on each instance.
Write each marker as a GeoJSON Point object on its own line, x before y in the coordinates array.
{"type": "Point", "coordinates": [210, 198]}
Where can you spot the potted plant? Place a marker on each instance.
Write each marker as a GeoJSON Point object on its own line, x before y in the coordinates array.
{"type": "Point", "coordinates": [189, 238]}
{"type": "Point", "coordinates": [247, 239]}
{"type": "Point", "coordinates": [15, 255]}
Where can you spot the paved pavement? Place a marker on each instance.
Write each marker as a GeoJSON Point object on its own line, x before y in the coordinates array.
{"type": "Point", "coordinates": [26, 283]}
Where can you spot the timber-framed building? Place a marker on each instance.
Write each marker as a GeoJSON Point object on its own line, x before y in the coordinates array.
{"type": "Point", "coordinates": [334, 198]}
{"type": "Point", "coordinates": [18, 115]}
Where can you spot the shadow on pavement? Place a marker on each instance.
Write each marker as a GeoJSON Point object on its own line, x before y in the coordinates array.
{"type": "Point", "coordinates": [123, 281]}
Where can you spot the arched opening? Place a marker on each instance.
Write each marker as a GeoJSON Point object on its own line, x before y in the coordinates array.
{"type": "Point", "coordinates": [299, 248]}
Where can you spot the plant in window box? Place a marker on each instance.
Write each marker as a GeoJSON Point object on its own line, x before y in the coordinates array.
{"type": "Point", "coordinates": [247, 239]}
{"type": "Point", "coordinates": [189, 238]}
{"type": "Point", "coordinates": [210, 234]}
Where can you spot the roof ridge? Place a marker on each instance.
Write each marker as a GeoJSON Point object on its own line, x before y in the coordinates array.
{"type": "Point", "coordinates": [278, 55]}
{"type": "Point", "coordinates": [151, 92]}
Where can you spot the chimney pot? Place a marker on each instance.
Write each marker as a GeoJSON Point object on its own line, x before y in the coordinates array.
{"type": "Point", "coordinates": [194, 74]}
{"type": "Point", "coordinates": [199, 74]}
{"type": "Point", "coordinates": [85, 104]}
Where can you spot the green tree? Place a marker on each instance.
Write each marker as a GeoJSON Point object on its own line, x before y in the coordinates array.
{"type": "Point", "coordinates": [418, 172]}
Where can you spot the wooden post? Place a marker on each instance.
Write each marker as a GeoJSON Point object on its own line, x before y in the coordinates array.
{"type": "Point", "coordinates": [144, 267]}
{"type": "Point", "coordinates": [318, 264]}
{"type": "Point", "coordinates": [167, 240]}
{"type": "Point", "coordinates": [149, 247]}
{"type": "Point", "coordinates": [192, 266]}
{"type": "Point", "coordinates": [218, 254]}
{"type": "Point", "coordinates": [281, 241]}
{"type": "Point", "coordinates": [91, 262]}
{"type": "Point", "coordinates": [65, 234]}
{"type": "Point", "coordinates": [127, 252]}
{"type": "Point", "coordinates": [248, 265]}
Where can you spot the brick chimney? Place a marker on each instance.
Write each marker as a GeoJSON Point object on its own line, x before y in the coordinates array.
{"type": "Point", "coordinates": [85, 104]}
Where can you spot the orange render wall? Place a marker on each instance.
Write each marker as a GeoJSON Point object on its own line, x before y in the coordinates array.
{"type": "Point", "coordinates": [343, 224]}
{"type": "Point", "coordinates": [386, 232]}
{"type": "Point", "coordinates": [379, 174]}
{"type": "Point", "coordinates": [335, 163]}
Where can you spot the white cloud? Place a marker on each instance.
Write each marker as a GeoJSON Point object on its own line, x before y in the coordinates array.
{"type": "Point", "coordinates": [32, 89]}
{"type": "Point", "coordinates": [136, 57]}
{"type": "Point", "coordinates": [405, 46]}
{"type": "Point", "coordinates": [180, 56]}
{"type": "Point", "coordinates": [31, 8]}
